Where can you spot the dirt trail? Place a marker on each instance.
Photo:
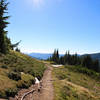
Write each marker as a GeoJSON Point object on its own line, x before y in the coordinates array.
{"type": "Point", "coordinates": [46, 92]}
{"type": "Point", "coordinates": [47, 89]}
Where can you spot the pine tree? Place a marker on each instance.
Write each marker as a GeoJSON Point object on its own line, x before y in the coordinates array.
{"type": "Point", "coordinates": [55, 56]}
{"type": "Point", "coordinates": [17, 49]}
{"type": "Point", "coordinates": [96, 65]}
{"type": "Point", "coordinates": [3, 24]}
{"type": "Point", "coordinates": [61, 60]}
{"type": "Point", "coordinates": [74, 59]}
{"type": "Point", "coordinates": [66, 58]}
{"type": "Point", "coordinates": [87, 62]}
{"type": "Point", "coordinates": [69, 58]}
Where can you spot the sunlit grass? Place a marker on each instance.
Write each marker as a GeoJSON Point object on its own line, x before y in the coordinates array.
{"type": "Point", "coordinates": [71, 85]}
{"type": "Point", "coordinates": [17, 63]}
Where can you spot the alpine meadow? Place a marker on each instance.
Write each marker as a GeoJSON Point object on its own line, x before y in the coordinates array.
{"type": "Point", "coordinates": [49, 50]}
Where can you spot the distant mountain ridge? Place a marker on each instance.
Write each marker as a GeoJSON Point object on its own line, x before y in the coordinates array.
{"type": "Point", "coordinates": [43, 56]}
{"type": "Point", "coordinates": [94, 55]}
{"type": "Point", "coordinates": [40, 55]}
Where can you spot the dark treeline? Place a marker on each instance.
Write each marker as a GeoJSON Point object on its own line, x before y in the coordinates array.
{"type": "Point", "coordinates": [5, 42]}
{"type": "Point", "coordinates": [68, 59]}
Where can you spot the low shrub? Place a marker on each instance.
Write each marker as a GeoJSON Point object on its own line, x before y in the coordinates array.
{"type": "Point", "coordinates": [26, 81]}
{"type": "Point", "coordinates": [4, 66]}
{"type": "Point", "coordinates": [14, 76]}
{"type": "Point", "coordinates": [22, 84]}
{"type": "Point", "coordinates": [84, 70]}
{"type": "Point", "coordinates": [11, 92]}
{"type": "Point", "coordinates": [19, 68]}
{"type": "Point", "coordinates": [2, 94]}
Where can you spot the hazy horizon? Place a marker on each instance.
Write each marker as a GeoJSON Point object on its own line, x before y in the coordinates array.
{"type": "Point", "coordinates": [59, 53]}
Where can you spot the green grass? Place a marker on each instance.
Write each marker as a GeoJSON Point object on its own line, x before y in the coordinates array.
{"type": "Point", "coordinates": [26, 77]}
{"type": "Point", "coordinates": [71, 84]}
{"type": "Point", "coordinates": [13, 64]}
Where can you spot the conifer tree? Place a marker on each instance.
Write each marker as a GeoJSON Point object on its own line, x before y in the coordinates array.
{"type": "Point", "coordinates": [96, 65]}
{"type": "Point", "coordinates": [69, 58]}
{"type": "Point", "coordinates": [55, 56]}
{"type": "Point", "coordinates": [87, 62]}
{"type": "Point", "coordinates": [66, 58]}
{"type": "Point", "coordinates": [3, 24]}
{"type": "Point", "coordinates": [61, 60]}
{"type": "Point", "coordinates": [17, 49]}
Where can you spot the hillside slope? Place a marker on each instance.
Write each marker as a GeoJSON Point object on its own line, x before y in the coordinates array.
{"type": "Point", "coordinates": [72, 83]}
{"type": "Point", "coordinates": [17, 71]}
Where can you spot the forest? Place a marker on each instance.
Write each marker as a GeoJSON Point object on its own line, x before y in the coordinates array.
{"type": "Point", "coordinates": [69, 59]}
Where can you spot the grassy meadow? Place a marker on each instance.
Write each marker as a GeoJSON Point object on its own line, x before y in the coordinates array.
{"type": "Point", "coordinates": [76, 83]}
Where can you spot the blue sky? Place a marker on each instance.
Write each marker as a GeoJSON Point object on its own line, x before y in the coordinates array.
{"type": "Point", "coordinates": [44, 25]}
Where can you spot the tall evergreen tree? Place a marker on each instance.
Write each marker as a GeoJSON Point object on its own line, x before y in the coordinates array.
{"type": "Point", "coordinates": [65, 58]}
{"type": "Point", "coordinates": [69, 58]}
{"type": "Point", "coordinates": [87, 62]}
{"type": "Point", "coordinates": [96, 65]}
{"type": "Point", "coordinates": [55, 56]}
{"type": "Point", "coordinates": [3, 24]}
{"type": "Point", "coordinates": [61, 60]}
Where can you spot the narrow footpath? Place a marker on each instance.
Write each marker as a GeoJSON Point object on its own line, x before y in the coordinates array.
{"type": "Point", "coordinates": [46, 91]}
